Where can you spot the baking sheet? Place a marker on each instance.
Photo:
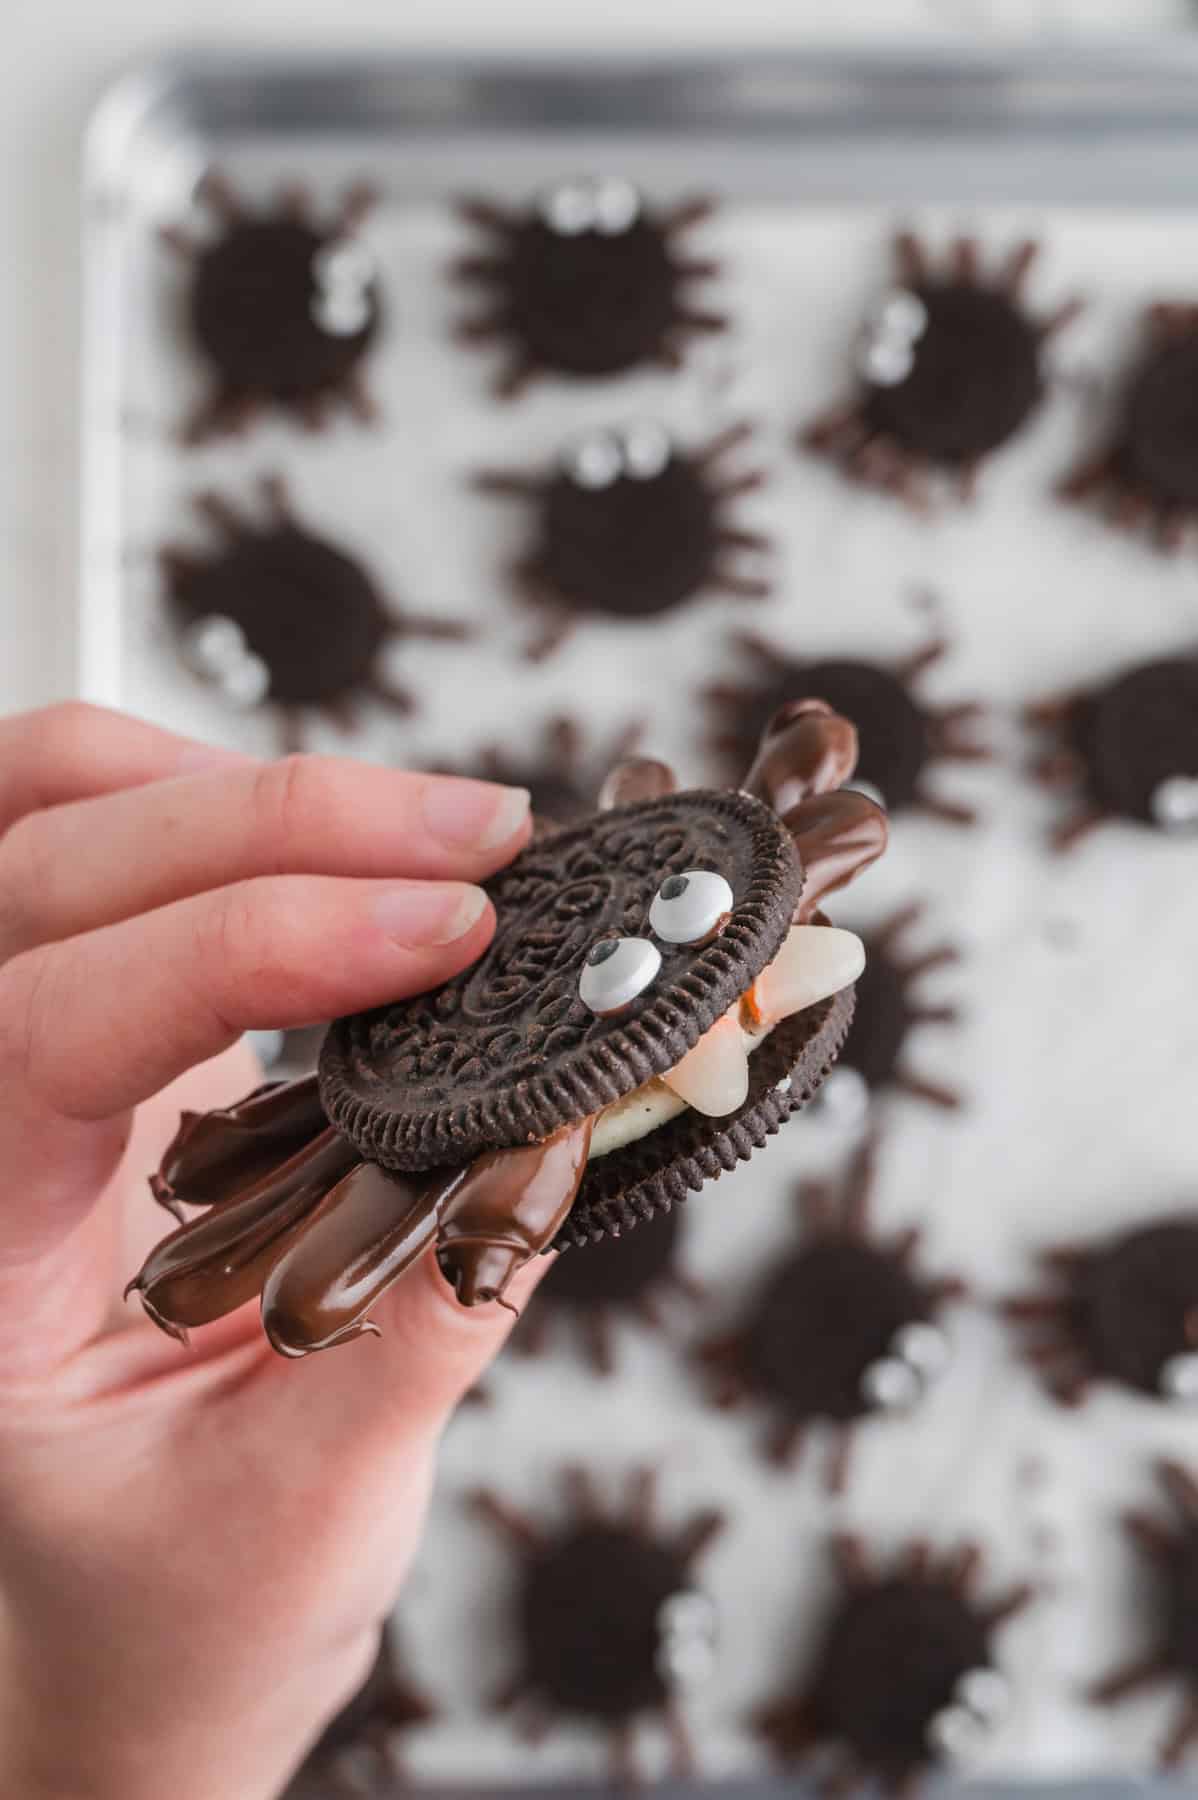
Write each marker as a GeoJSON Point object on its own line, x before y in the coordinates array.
{"type": "Point", "coordinates": [816, 161]}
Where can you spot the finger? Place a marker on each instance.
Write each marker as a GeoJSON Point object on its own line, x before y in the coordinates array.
{"type": "Point", "coordinates": [95, 1024]}
{"type": "Point", "coordinates": [76, 867]}
{"type": "Point", "coordinates": [368, 1402]}
{"type": "Point", "coordinates": [69, 751]}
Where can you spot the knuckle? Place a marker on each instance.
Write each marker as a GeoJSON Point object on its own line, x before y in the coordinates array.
{"type": "Point", "coordinates": [24, 878]}
{"type": "Point", "coordinates": [25, 987]}
{"type": "Point", "coordinates": [286, 797]}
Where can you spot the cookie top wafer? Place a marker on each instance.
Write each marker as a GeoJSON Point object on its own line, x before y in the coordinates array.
{"type": "Point", "coordinates": [508, 1052]}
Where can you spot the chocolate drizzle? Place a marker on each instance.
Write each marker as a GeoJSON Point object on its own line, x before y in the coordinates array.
{"type": "Point", "coordinates": [297, 1214]}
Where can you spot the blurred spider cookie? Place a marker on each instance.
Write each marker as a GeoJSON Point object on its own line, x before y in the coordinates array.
{"type": "Point", "coordinates": [903, 1676]}
{"type": "Point", "coordinates": [611, 1626]}
{"type": "Point", "coordinates": [902, 738]}
{"type": "Point", "coordinates": [888, 1010]}
{"type": "Point", "coordinates": [1125, 749]}
{"type": "Point", "coordinates": [1172, 1553]}
{"type": "Point", "coordinates": [588, 282]}
{"type": "Point", "coordinates": [1146, 475]}
{"type": "Point", "coordinates": [949, 367]}
{"type": "Point", "coordinates": [281, 307]}
{"type": "Point", "coordinates": [618, 1279]}
{"type": "Point", "coordinates": [628, 526]}
{"type": "Point", "coordinates": [844, 1328]}
{"type": "Point", "coordinates": [1122, 1310]}
{"type": "Point", "coordinates": [279, 617]}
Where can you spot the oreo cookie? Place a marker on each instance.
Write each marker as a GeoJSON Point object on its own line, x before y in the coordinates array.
{"type": "Point", "coordinates": [661, 992]}
{"type": "Point", "coordinates": [508, 1052]}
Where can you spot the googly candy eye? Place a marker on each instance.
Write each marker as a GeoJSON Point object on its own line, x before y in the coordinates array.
{"type": "Point", "coordinates": [647, 450]}
{"type": "Point", "coordinates": [617, 205]}
{"type": "Point", "coordinates": [615, 972]}
{"type": "Point", "coordinates": [569, 208]}
{"type": "Point", "coordinates": [1175, 803]}
{"type": "Point", "coordinates": [1178, 1379]}
{"type": "Point", "coordinates": [595, 462]}
{"type": "Point", "coordinates": [891, 1385]}
{"type": "Point", "coordinates": [984, 1692]}
{"type": "Point", "coordinates": [690, 907]}
{"type": "Point", "coordinates": [923, 1346]}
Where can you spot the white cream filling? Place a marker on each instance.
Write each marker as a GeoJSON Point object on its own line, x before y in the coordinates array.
{"type": "Point", "coordinates": [814, 962]}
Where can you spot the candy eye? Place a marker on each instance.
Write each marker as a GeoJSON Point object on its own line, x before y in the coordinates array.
{"type": "Point", "coordinates": [615, 972]}
{"type": "Point", "coordinates": [1175, 803]}
{"type": "Point", "coordinates": [616, 205]}
{"type": "Point", "coordinates": [887, 353]}
{"type": "Point", "coordinates": [923, 1347]}
{"type": "Point", "coordinates": [342, 271]}
{"type": "Point", "coordinates": [690, 907]}
{"type": "Point", "coordinates": [215, 648]}
{"type": "Point", "coordinates": [595, 462]}
{"type": "Point", "coordinates": [981, 1700]}
{"type": "Point", "coordinates": [1178, 1378]}
{"type": "Point", "coordinates": [569, 208]}
{"type": "Point", "coordinates": [891, 1385]}
{"type": "Point", "coordinates": [647, 450]}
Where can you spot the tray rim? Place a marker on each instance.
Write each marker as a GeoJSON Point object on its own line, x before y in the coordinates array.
{"type": "Point", "coordinates": [944, 84]}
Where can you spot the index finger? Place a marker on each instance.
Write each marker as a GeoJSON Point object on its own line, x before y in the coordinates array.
{"type": "Point", "coordinates": [74, 751]}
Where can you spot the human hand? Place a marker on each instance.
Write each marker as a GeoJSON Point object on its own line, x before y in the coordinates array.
{"type": "Point", "coordinates": [198, 1548]}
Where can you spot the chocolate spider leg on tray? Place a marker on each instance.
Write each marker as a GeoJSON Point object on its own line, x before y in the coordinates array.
{"type": "Point", "coordinates": [678, 995]}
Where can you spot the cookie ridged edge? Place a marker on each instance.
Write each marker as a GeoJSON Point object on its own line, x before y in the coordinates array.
{"type": "Point", "coordinates": [662, 1169]}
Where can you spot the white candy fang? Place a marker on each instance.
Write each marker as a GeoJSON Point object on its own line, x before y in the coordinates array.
{"type": "Point", "coordinates": [814, 962]}
{"type": "Point", "coordinates": [714, 1076]}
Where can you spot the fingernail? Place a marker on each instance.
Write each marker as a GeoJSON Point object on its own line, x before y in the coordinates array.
{"type": "Point", "coordinates": [473, 815]}
{"type": "Point", "coordinates": [429, 913]}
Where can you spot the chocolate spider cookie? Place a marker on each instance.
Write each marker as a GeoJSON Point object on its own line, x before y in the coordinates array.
{"type": "Point", "coordinates": [1128, 749]}
{"type": "Point", "coordinates": [903, 738]}
{"type": "Point", "coordinates": [282, 308]}
{"type": "Point", "coordinates": [904, 1675]}
{"type": "Point", "coordinates": [1147, 474]}
{"type": "Point", "coordinates": [587, 283]}
{"type": "Point", "coordinates": [1125, 1311]}
{"type": "Point", "coordinates": [949, 367]}
{"type": "Point", "coordinates": [661, 992]}
{"type": "Point", "coordinates": [1172, 1550]}
{"type": "Point", "coordinates": [612, 1627]}
{"type": "Point", "coordinates": [276, 616]}
{"type": "Point", "coordinates": [630, 525]}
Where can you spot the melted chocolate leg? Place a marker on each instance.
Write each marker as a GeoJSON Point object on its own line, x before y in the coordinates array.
{"type": "Point", "coordinates": [218, 1262]}
{"type": "Point", "coordinates": [506, 1208]}
{"type": "Point", "coordinates": [366, 1231]}
{"type": "Point", "coordinates": [215, 1157]}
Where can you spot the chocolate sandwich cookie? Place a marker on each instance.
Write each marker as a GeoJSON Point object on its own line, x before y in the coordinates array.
{"type": "Point", "coordinates": [1127, 749]}
{"type": "Point", "coordinates": [611, 1626]}
{"type": "Point", "coordinates": [903, 739]}
{"type": "Point", "coordinates": [949, 367]}
{"type": "Point", "coordinates": [589, 282]}
{"type": "Point", "coordinates": [1172, 1655]}
{"type": "Point", "coordinates": [276, 616]}
{"type": "Point", "coordinates": [282, 308]}
{"type": "Point", "coordinates": [1125, 1310]}
{"type": "Point", "coordinates": [903, 1675]}
{"type": "Point", "coordinates": [630, 525]}
{"type": "Point", "coordinates": [844, 1328]}
{"type": "Point", "coordinates": [661, 993]}
{"type": "Point", "coordinates": [1146, 475]}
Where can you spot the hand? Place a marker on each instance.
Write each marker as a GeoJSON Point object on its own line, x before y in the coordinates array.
{"type": "Point", "coordinates": [198, 1547]}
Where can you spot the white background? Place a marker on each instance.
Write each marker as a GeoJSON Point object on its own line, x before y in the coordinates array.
{"type": "Point", "coordinates": [59, 56]}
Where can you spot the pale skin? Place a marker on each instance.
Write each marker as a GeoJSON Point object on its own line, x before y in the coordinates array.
{"type": "Point", "coordinates": [198, 1547]}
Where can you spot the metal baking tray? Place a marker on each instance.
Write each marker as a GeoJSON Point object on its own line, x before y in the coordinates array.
{"type": "Point", "coordinates": [1094, 149]}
